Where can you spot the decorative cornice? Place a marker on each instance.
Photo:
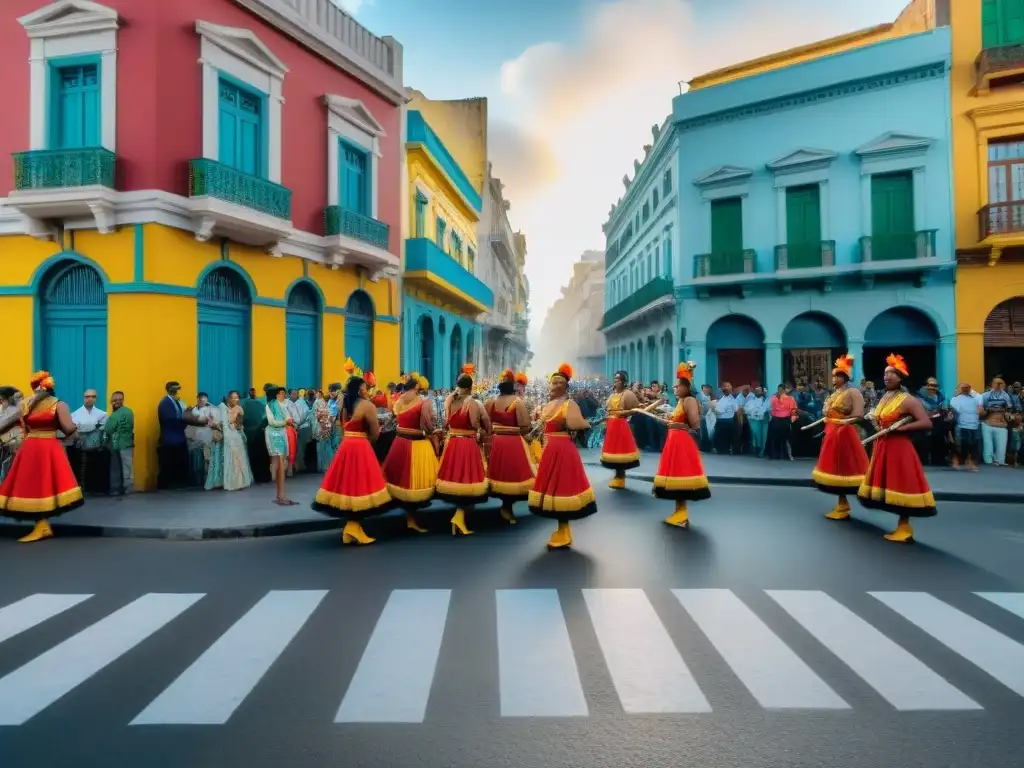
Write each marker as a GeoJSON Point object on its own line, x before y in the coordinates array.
{"type": "Point", "coordinates": [816, 96]}
{"type": "Point", "coordinates": [355, 112]}
{"type": "Point", "coordinates": [894, 143]}
{"type": "Point", "coordinates": [69, 17]}
{"type": "Point", "coordinates": [803, 159]}
{"type": "Point", "coordinates": [657, 156]}
{"type": "Point", "coordinates": [723, 174]}
{"type": "Point", "coordinates": [243, 44]}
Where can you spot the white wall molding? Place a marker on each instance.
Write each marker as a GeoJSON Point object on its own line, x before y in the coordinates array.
{"type": "Point", "coordinates": [353, 121]}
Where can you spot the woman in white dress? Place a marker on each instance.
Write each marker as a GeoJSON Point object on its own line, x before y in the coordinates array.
{"type": "Point", "coordinates": [229, 457]}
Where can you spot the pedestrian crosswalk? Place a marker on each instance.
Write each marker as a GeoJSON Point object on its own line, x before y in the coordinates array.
{"type": "Point", "coordinates": [540, 661]}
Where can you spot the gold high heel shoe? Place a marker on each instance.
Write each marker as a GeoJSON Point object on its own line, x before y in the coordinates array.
{"type": "Point", "coordinates": [841, 511]}
{"type": "Point", "coordinates": [561, 538]}
{"type": "Point", "coordinates": [459, 523]}
{"type": "Point", "coordinates": [507, 514]}
{"type": "Point", "coordinates": [681, 517]}
{"type": "Point", "coordinates": [904, 533]}
{"type": "Point", "coordinates": [353, 533]}
{"type": "Point", "coordinates": [412, 525]}
{"type": "Point", "coordinates": [41, 531]}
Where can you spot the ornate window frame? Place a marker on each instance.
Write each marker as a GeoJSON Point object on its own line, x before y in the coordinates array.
{"type": "Point", "coordinates": [352, 120]}
{"type": "Point", "coordinates": [802, 167]}
{"type": "Point", "coordinates": [890, 153]}
{"type": "Point", "coordinates": [721, 183]}
{"type": "Point", "coordinates": [71, 28]}
{"type": "Point", "coordinates": [240, 54]}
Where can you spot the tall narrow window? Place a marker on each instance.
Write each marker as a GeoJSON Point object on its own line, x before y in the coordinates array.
{"type": "Point", "coordinates": [355, 179]}
{"type": "Point", "coordinates": [471, 260]}
{"type": "Point", "coordinates": [803, 226]}
{"type": "Point", "coordinates": [75, 116]}
{"type": "Point", "coordinates": [421, 214]}
{"type": "Point", "coordinates": [240, 122]}
{"type": "Point", "coordinates": [666, 183]}
{"type": "Point", "coordinates": [892, 216]}
{"type": "Point", "coordinates": [668, 254]}
{"type": "Point", "coordinates": [1006, 186]}
{"type": "Point", "coordinates": [441, 226]}
{"type": "Point", "coordinates": [654, 200]}
{"type": "Point", "coordinates": [727, 225]}
{"type": "Point", "coordinates": [455, 247]}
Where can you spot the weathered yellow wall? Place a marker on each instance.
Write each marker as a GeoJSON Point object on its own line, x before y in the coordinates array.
{"type": "Point", "coordinates": [16, 358]}
{"type": "Point", "coordinates": [979, 289]}
{"type": "Point", "coordinates": [462, 126]}
{"type": "Point", "coordinates": [443, 202]}
{"type": "Point", "coordinates": [918, 16]}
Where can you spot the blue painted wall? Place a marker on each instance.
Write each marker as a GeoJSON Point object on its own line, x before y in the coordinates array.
{"type": "Point", "coordinates": [422, 254]}
{"type": "Point", "coordinates": [838, 104]}
{"type": "Point", "coordinates": [443, 323]}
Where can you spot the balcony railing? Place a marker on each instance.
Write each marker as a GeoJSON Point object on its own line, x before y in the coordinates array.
{"type": "Point", "coordinates": [342, 221]}
{"type": "Point", "coordinates": [898, 247]}
{"type": "Point", "coordinates": [208, 178]}
{"type": "Point", "coordinates": [805, 255]}
{"type": "Point", "coordinates": [446, 274]}
{"type": "Point", "coordinates": [1000, 219]}
{"type": "Point", "coordinates": [656, 289]}
{"type": "Point", "coordinates": [62, 168]}
{"type": "Point", "coordinates": [724, 263]}
{"type": "Point", "coordinates": [998, 62]}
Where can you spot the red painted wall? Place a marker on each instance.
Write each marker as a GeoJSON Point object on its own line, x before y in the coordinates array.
{"type": "Point", "coordinates": [159, 104]}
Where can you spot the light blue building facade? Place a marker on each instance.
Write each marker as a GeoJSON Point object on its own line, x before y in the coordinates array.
{"type": "Point", "coordinates": [641, 264]}
{"type": "Point", "coordinates": [815, 217]}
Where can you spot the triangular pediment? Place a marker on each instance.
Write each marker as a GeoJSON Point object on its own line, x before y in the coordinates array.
{"type": "Point", "coordinates": [69, 17]}
{"type": "Point", "coordinates": [724, 174]}
{"type": "Point", "coordinates": [355, 112]}
{"type": "Point", "coordinates": [804, 158]}
{"type": "Point", "coordinates": [244, 44]}
{"type": "Point", "coordinates": [894, 143]}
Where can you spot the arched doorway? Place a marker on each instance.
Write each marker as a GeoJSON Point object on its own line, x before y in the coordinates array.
{"type": "Point", "coordinates": [903, 331]}
{"type": "Point", "coordinates": [74, 331]}
{"type": "Point", "coordinates": [426, 334]}
{"type": "Point", "coordinates": [455, 349]}
{"type": "Point", "coordinates": [735, 345]}
{"type": "Point", "coordinates": [1004, 342]}
{"type": "Point", "coordinates": [225, 334]}
{"type": "Point", "coordinates": [302, 337]}
{"type": "Point", "coordinates": [810, 344]}
{"type": "Point", "coordinates": [359, 330]}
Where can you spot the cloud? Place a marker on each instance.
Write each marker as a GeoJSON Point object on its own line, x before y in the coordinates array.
{"type": "Point", "coordinates": [524, 162]}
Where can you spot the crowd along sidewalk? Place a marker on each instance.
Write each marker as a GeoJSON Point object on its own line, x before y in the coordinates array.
{"type": "Point", "coordinates": [195, 515]}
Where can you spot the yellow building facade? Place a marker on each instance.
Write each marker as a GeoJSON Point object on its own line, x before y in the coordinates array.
{"type": "Point", "coordinates": [148, 301]}
{"type": "Point", "coordinates": [988, 165]}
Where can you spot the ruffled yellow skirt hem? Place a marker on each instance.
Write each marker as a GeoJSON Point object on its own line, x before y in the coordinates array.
{"type": "Point", "coordinates": [680, 483]}
{"type": "Point", "coordinates": [837, 481]}
{"type": "Point", "coordinates": [575, 503]}
{"type": "Point", "coordinates": [42, 505]}
{"type": "Point", "coordinates": [344, 503]}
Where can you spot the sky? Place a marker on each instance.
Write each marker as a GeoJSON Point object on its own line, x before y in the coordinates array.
{"type": "Point", "coordinates": [574, 86]}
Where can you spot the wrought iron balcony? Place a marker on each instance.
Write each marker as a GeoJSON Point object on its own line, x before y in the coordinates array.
{"type": "Point", "coordinates": [805, 255]}
{"type": "Point", "coordinates": [1000, 219]}
{"type": "Point", "coordinates": [342, 221]}
{"type": "Point", "coordinates": [208, 178]}
{"type": "Point", "coordinates": [898, 247]}
{"type": "Point", "coordinates": [64, 168]}
{"type": "Point", "coordinates": [657, 288]}
{"type": "Point", "coordinates": [724, 263]}
{"type": "Point", "coordinates": [1003, 62]}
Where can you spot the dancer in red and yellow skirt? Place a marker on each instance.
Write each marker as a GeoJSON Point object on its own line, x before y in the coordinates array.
{"type": "Point", "coordinates": [680, 474]}
{"type": "Point", "coordinates": [510, 469]}
{"type": "Point", "coordinates": [895, 480]}
{"type": "Point", "coordinates": [462, 478]}
{"type": "Point", "coordinates": [562, 490]}
{"type": "Point", "coordinates": [410, 469]}
{"type": "Point", "coordinates": [40, 483]}
{"type": "Point", "coordinates": [842, 461]}
{"type": "Point", "coordinates": [619, 451]}
{"type": "Point", "coordinates": [353, 488]}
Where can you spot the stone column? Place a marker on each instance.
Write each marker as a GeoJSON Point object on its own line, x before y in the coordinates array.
{"type": "Point", "coordinates": [946, 364]}
{"type": "Point", "coordinates": [855, 347]}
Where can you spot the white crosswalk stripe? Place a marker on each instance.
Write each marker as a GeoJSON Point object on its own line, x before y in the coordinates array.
{"type": "Point", "coordinates": [540, 659]}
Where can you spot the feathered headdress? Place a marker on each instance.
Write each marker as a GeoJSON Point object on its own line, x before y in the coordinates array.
{"type": "Point", "coordinates": [844, 364]}
{"type": "Point", "coordinates": [469, 369]}
{"type": "Point", "coordinates": [508, 375]}
{"type": "Point", "coordinates": [564, 372]}
{"type": "Point", "coordinates": [349, 366]}
{"type": "Point", "coordinates": [522, 379]}
{"type": "Point", "coordinates": [685, 370]}
{"type": "Point", "coordinates": [898, 364]}
{"type": "Point", "coordinates": [422, 383]}
{"type": "Point", "coordinates": [41, 380]}
{"type": "Point", "coordinates": [370, 379]}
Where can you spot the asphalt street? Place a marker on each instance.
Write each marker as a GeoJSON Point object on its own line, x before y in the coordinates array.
{"type": "Point", "coordinates": [763, 636]}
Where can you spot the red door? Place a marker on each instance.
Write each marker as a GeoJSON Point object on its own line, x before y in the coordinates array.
{"type": "Point", "coordinates": [740, 366]}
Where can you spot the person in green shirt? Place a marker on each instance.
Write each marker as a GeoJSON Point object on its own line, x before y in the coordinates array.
{"type": "Point", "coordinates": [119, 437]}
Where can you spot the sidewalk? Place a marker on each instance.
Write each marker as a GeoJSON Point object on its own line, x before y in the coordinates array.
{"type": "Point", "coordinates": [196, 514]}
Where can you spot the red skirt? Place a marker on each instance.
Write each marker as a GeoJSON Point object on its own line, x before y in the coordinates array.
{"type": "Point", "coordinates": [562, 489]}
{"type": "Point", "coordinates": [353, 487]}
{"type": "Point", "coordinates": [895, 479]}
{"type": "Point", "coordinates": [680, 473]}
{"type": "Point", "coordinates": [410, 471]}
{"type": "Point", "coordinates": [619, 450]}
{"type": "Point", "coordinates": [510, 469]}
{"type": "Point", "coordinates": [842, 462]}
{"type": "Point", "coordinates": [461, 478]}
{"type": "Point", "coordinates": [293, 444]}
{"type": "Point", "coordinates": [40, 483]}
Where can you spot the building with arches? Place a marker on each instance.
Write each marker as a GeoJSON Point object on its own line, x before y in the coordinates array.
{"type": "Point", "coordinates": [443, 296]}
{"type": "Point", "coordinates": [815, 216]}
{"type": "Point", "coordinates": [988, 159]}
{"type": "Point", "coordinates": [241, 229]}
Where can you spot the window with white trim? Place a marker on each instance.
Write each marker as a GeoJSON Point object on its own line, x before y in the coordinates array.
{"type": "Point", "coordinates": [353, 155]}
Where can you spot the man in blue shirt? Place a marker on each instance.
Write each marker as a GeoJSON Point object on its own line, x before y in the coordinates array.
{"type": "Point", "coordinates": [966, 409]}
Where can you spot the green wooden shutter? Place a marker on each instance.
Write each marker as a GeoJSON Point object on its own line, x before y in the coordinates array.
{"type": "Point", "coordinates": [803, 226]}
{"type": "Point", "coordinates": [892, 216]}
{"type": "Point", "coordinates": [990, 36]}
{"type": "Point", "coordinates": [727, 225]}
{"type": "Point", "coordinates": [1012, 22]}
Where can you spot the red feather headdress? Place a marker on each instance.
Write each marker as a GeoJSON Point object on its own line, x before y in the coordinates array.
{"type": "Point", "coordinates": [469, 369]}
{"type": "Point", "coordinates": [564, 371]}
{"type": "Point", "coordinates": [844, 364]}
{"type": "Point", "coordinates": [521, 378]}
{"type": "Point", "coordinates": [898, 364]}
{"type": "Point", "coordinates": [685, 371]}
{"type": "Point", "coordinates": [41, 380]}
{"type": "Point", "coordinates": [508, 375]}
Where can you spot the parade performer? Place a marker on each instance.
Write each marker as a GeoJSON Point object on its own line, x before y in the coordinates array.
{"type": "Point", "coordinates": [462, 477]}
{"type": "Point", "coordinates": [562, 490]}
{"type": "Point", "coordinates": [510, 469]}
{"type": "Point", "coordinates": [534, 444]}
{"type": "Point", "coordinates": [680, 474]}
{"type": "Point", "coordinates": [410, 468]}
{"type": "Point", "coordinates": [620, 452]}
{"type": "Point", "coordinates": [842, 460]}
{"type": "Point", "coordinates": [378, 397]}
{"type": "Point", "coordinates": [353, 488]}
{"type": "Point", "coordinates": [895, 480]}
{"type": "Point", "coordinates": [40, 483]}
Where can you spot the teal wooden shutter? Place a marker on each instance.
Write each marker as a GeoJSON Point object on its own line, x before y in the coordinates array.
{"type": "Point", "coordinates": [892, 216]}
{"type": "Point", "coordinates": [302, 338]}
{"type": "Point", "coordinates": [1012, 21]}
{"type": "Point", "coordinates": [990, 36]}
{"type": "Point", "coordinates": [727, 225]}
{"type": "Point", "coordinates": [75, 122]}
{"type": "Point", "coordinates": [74, 320]}
{"type": "Point", "coordinates": [354, 179]}
{"type": "Point", "coordinates": [668, 256]}
{"type": "Point", "coordinates": [240, 129]}
{"type": "Point", "coordinates": [225, 333]}
{"type": "Point", "coordinates": [421, 215]}
{"type": "Point", "coordinates": [440, 227]}
{"type": "Point", "coordinates": [425, 334]}
{"type": "Point", "coordinates": [359, 330]}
